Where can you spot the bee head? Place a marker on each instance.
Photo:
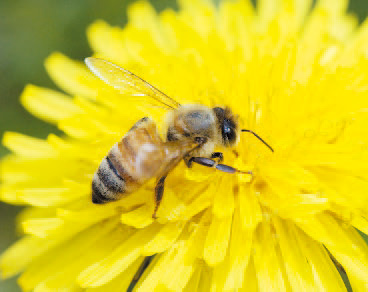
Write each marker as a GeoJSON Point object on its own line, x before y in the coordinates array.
{"type": "Point", "coordinates": [228, 125]}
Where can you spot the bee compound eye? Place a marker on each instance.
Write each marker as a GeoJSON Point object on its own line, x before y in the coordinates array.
{"type": "Point", "coordinates": [228, 131]}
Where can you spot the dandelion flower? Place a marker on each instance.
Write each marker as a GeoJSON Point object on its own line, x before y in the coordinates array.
{"type": "Point", "coordinates": [293, 73]}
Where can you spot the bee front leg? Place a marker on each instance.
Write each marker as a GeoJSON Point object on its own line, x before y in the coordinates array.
{"type": "Point", "coordinates": [218, 155]}
{"type": "Point", "coordinates": [211, 163]}
{"type": "Point", "coordinates": [159, 191]}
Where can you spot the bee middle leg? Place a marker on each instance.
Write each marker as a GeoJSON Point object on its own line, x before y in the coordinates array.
{"type": "Point", "coordinates": [212, 163]}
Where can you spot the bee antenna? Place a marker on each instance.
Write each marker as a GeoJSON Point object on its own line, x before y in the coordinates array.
{"type": "Point", "coordinates": [263, 141]}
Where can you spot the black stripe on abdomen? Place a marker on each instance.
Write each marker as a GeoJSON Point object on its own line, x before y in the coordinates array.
{"type": "Point", "coordinates": [112, 167]}
{"type": "Point", "coordinates": [107, 184]}
{"type": "Point", "coordinates": [98, 194]}
{"type": "Point", "coordinates": [109, 176]}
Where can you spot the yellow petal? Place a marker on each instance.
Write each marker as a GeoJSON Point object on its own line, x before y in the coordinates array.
{"type": "Point", "coordinates": [297, 268]}
{"type": "Point", "coordinates": [217, 240]}
{"type": "Point", "coordinates": [326, 276]}
{"type": "Point", "coordinates": [267, 10]}
{"type": "Point", "coordinates": [117, 261]}
{"type": "Point", "coordinates": [33, 213]}
{"type": "Point", "coordinates": [205, 280]}
{"type": "Point", "coordinates": [25, 250]}
{"type": "Point", "coordinates": [356, 268]}
{"type": "Point", "coordinates": [250, 211]}
{"type": "Point", "coordinates": [163, 239]}
{"type": "Point", "coordinates": [235, 19]}
{"type": "Point", "coordinates": [194, 281]}
{"type": "Point", "coordinates": [200, 202]}
{"type": "Point", "coordinates": [71, 76]}
{"type": "Point", "coordinates": [239, 253]}
{"type": "Point", "coordinates": [139, 218]}
{"type": "Point", "coordinates": [333, 233]}
{"type": "Point", "coordinates": [142, 16]}
{"type": "Point", "coordinates": [47, 104]}
{"type": "Point", "coordinates": [360, 223]}
{"type": "Point", "coordinates": [27, 146]}
{"type": "Point", "coordinates": [343, 241]}
{"type": "Point", "coordinates": [120, 283]}
{"type": "Point", "coordinates": [335, 7]}
{"type": "Point", "coordinates": [268, 269]}
{"type": "Point", "coordinates": [171, 207]}
{"type": "Point", "coordinates": [298, 9]}
{"type": "Point", "coordinates": [108, 41]}
{"type": "Point", "coordinates": [10, 260]}
{"type": "Point", "coordinates": [182, 263]}
{"type": "Point", "coordinates": [43, 197]}
{"type": "Point", "coordinates": [176, 266]}
{"type": "Point", "coordinates": [223, 203]}
{"type": "Point", "coordinates": [199, 14]}
{"type": "Point", "coordinates": [250, 279]}
{"type": "Point", "coordinates": [41, 227]}
{"type": "Point", "coordinates": [54, 271]}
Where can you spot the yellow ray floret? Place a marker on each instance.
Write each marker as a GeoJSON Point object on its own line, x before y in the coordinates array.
{"type": "Point", "coordinates": [292, 72]}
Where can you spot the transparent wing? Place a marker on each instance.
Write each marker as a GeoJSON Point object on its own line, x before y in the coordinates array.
{"type": "Point", "coordinates": [124, 80]}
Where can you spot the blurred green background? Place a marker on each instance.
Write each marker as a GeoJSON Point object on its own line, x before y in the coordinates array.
{"type": "Point", "coordinates": [29, 32]}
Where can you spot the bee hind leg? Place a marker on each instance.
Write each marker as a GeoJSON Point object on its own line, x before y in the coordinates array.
{"type": "Point", "coordinates": [159, 191]}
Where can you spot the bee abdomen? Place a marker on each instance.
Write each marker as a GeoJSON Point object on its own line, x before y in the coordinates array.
{"type": "Point", "coordinates": [125, 168]}
{"type": "Point", "coordinates": [107, 184]}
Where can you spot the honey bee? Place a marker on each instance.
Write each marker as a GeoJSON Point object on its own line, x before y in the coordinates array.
{"type": "Point", "coordinates": [193, 132]}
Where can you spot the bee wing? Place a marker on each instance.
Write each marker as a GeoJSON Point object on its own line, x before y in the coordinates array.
{"type": "Point", "coordinates": [123, 80]}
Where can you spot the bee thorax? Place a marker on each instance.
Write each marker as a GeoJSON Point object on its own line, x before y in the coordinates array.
{"type": "Point", "coordinates": [192, 122]}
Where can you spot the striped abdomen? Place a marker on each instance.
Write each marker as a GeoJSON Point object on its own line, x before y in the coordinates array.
{"type": "Point", "coordinates": [107, 184]}
{"type": "Point", "coordinates": [129, 163]}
